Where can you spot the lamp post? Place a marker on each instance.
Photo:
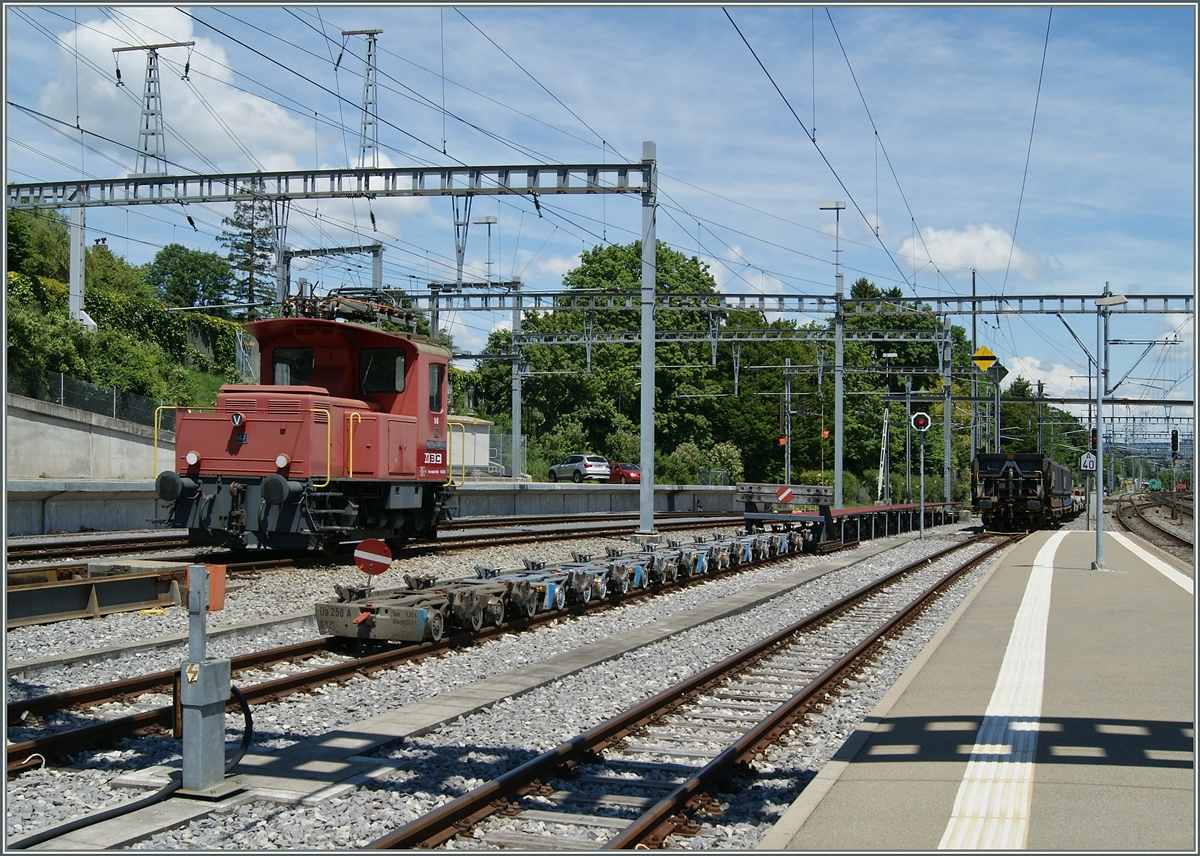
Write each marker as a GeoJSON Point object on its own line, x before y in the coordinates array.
{"type": "Point", "coordinates": [838, 355]}
{"type": "Point", "coordinates": [1103, 307]}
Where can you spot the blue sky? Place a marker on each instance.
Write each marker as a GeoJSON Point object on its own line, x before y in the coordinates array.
{"type": "Point", "coordinates": [1109, 195]}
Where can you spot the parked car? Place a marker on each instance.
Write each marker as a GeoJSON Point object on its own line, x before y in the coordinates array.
{"type": "Point", "coordinates": [622, 473]}
{"type": "Point", "coordinates": [580, 467]}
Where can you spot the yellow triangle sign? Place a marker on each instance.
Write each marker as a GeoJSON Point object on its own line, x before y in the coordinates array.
{"type": "Point", "coordinates": [983, 358]}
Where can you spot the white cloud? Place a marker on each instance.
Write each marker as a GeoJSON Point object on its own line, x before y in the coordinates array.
{"type": "Point", "coordinates": [556, 267]}
{"type": "Point", "coordinates": [985, 248]}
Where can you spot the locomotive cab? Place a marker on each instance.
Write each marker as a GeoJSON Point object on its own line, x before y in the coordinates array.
{"type": "Point", "coordinates": [346, 438]}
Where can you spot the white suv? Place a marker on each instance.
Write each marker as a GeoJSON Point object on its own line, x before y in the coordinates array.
{"type": "Point", "coordinates": [580, 467]}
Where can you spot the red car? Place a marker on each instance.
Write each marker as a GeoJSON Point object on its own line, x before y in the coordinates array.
{"type": "Point", "coordinates": [624, 474]}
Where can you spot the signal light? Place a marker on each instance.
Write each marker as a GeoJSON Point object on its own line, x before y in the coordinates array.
{"type": "Point", "coordinates": [1174, 442]}
{"type": "Point", "coordinates": [1093, 439]}
{"type": "Point", "coordinates": [783, 441]}
{"type": "Point", "coordinates": [920, 421]}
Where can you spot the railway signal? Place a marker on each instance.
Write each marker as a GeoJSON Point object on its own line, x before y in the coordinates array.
{"type": "Point", "coordinates": [921, 421]}
{"type": "Point", "coordinates": [1093, 439]}
{"type": "Point", "coordinates": [1174, 442]}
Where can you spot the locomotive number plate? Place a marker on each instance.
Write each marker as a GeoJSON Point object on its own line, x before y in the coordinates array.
{"type": "Point", "coordinates": [433, 458]}
{"type": "Point", "coordinates": [240, 437]}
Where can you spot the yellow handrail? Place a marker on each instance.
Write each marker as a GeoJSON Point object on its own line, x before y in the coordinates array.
{"type": "Point", "coordinates": [159, 409]}
{"type": "Point", "coordinates": [350, 440]}
{"type": "Point", "coordinates": [450, 454]}
{"type": "Point", "coordinates": [154, 456]}
{"type": "Point", "coordinates": [328, 446]}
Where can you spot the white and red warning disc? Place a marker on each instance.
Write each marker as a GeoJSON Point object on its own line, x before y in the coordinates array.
{"type": "Point", "coordinates": [373, 556]}
{"type": "Point", "coordinates": [784, 494]}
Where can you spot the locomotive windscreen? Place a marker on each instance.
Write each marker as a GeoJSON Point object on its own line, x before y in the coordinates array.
{"type": "Point", "coordinates": [381, 369]}
{"type": "Point", "coordinates": [291, 366]}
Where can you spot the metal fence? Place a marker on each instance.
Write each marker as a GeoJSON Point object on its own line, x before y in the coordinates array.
{"type": "Point", "coordinates": [107, 401]}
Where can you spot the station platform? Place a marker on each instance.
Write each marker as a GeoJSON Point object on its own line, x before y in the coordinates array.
{"type": "Point", "coordinates": [1055, 711]}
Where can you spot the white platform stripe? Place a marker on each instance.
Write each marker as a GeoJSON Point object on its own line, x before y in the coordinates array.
{"type": "Point", "coordinates": [991, 810]}
{"type": "Point", "coordinates": [1181, 580]}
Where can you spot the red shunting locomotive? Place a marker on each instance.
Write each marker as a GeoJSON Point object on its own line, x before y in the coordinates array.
{"type": "Point", "coordinates": [346, 438]}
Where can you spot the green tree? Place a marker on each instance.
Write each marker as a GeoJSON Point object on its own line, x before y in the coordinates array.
{"type": "Point", "coordinates": [38, 243]}
{"type": "Point", "coordinates": [184, 277]}
{"type": "Point", "coordinates": [249, 238]}
{"type": "Point", "coordinates": [106, 271]}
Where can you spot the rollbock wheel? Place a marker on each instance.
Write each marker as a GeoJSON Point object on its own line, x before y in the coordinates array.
{"type": "Point", "coordinates": [434, 625]}
{"type": "Point", "coordinates": [577, 477]}
{"type": "Point", "coordinates": [602, 589]}
{"type": "Point", "coordinates": [623, 586]}
{"type": "Point", "coordinates": [495, 612]}
{"type": "Point", "coordinates": [475, 617]}
{"type": "Point", "coordinates": [529, 606]}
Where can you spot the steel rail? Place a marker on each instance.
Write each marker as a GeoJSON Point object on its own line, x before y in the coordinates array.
{"type": "Point", "coordinates": [652, 826]}
{"type": "Point", "coordinates": [1174, 537]}
{"type": "Point", "coordinates": [74, 740]}
{"type": "Point", "coordinates": [448, 820]}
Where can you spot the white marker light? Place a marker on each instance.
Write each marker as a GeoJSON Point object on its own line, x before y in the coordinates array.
{"type": "Point", "coordinates": [282, 461]}
{"type": "Point", "coordinates": [193, 458]}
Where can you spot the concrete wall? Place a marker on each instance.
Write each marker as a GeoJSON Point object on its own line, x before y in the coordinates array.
{"type": "Point", "coordinates": [499, 500]}
{"type": "Point", "coordinates": [47, 506]}
{"type": "Point", "coordinates": [47, 440]}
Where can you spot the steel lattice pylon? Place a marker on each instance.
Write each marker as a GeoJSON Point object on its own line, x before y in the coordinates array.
{"type": "Point", "coordinates": [151, 144]}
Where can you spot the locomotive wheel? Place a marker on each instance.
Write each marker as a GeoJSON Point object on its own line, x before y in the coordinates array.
{"type": "Point", "coordinates": [435, 626]}
{"type": "Point", "coordinates": [475, 617]}
{"type": "Point", "coordinates": [495, 612]}
{"type": "Point", "coordinates": [396, 544]}
{"type": "Point", "coordinates": [553, 476]}
{"type": "Point", "coordinates": [329, 546]}
{"type": "Point", "coordinates": [577, 477]}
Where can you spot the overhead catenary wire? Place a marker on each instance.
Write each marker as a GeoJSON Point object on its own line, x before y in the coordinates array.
{"type": "Point", "coordinates": [1029, 151]}
{"type": "Point", "coordinates": [812, 139]}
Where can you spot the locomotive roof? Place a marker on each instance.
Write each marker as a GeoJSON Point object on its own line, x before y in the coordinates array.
{"type": "Point", "coordinates": [271, 331]}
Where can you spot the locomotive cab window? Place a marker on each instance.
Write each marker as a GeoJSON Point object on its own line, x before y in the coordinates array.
{"type": "Point", "coordinates": [436, 373]}
{"type": "Point", "coordinates": [381, 369]}
{"type": "Point", "coordinates": [292, 366]}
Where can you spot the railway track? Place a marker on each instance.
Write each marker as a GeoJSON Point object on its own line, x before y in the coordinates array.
{"type": "Point", "coordinates": [1131, 515]}
{"type": "Point", "coordinates": [139, 543]}
{"type": "Point", "coordinates": [651, 772]}
{"type": "Point", "coordinates": [58, 592]}
{"type": "Point", "coordinates": [25, 754]}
